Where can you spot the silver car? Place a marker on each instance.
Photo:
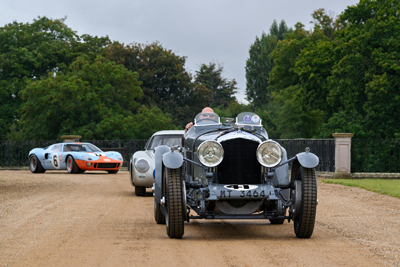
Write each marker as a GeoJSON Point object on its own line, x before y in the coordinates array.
{"type": "Point", "coordinates": [141, 165]}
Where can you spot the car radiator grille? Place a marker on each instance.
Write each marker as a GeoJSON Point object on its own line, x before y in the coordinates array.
{"type": "Point", "coordinates": [106, 165]}
{"type": "Point", "coordinates": [240, 164]}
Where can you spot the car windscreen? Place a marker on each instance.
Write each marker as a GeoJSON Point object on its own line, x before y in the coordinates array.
{"type": "Point", "coordinates": [81, 148]}
{"type": "Point", "coordinates": [206, 118]}
{"type": "Point", "coordinates": [168, 140]}
{"type": "Point", "coordinates": [248, 118]}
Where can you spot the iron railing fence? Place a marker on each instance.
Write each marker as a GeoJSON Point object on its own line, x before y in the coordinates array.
{"type": "Point", "coordinates": [366, 155]}
{"type": "Point", "coordinates": [323, 148]}
{"type": "Point", "coordinates": [379, 155]}
{"type": "Point", "coordinates": [15, 153]}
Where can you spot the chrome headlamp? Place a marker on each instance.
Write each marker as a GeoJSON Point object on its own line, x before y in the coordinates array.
{"type": "Point", "coordinates": [142, 165]}
{"type": "Point", "coordinates": [269, 153]}
{"type": "Point", "coordinates": [210, 153]}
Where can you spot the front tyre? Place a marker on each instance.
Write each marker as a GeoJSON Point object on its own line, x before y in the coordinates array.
{"type": "Point", "coordinates": [35, 166]}
{"type": "Point", "coordinates": [305, 221]}
{"type": "Point", "coordinates": [71, 165]}
{"type": "Point", "coordinates": [174, 203]}
{"type": "Point", "coordinates": [140, 190]}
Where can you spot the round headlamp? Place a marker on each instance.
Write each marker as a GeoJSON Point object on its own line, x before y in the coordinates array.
{"type": "Point", "coordinates": [142, 165]}
{"type": "Point", "coordinates": [269, 153]}
{"type": "Point", "coordinates": [210, 153]}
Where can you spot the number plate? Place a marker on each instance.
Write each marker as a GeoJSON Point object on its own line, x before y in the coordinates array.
{"type": "Point", "coordinates": [243, 194]}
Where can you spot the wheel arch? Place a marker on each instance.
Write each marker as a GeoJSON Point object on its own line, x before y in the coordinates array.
{"type": "Point", "coordinates": [159, 152]}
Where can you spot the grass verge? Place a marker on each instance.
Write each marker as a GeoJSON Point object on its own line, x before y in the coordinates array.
{"type": "Point", "coordinates": [380, 186]}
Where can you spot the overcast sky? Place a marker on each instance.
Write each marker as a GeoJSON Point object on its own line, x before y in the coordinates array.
{"type": "Point", "coordinates": [205, 31]}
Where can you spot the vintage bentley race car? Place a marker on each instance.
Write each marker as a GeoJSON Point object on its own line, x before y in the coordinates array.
{"type": "Point", "coordinates": [141, 165]}
{"type": "Point", "coordinates": [75, 158]}
{"type": "Point", "coordinates": [232, 170]}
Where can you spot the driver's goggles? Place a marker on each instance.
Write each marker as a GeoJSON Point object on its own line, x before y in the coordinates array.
{"type": "Point", "coordinates": [207, 115]}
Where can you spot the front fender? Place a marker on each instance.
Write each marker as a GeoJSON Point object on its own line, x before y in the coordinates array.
{"type": "Point", "coordinates": [159, 152]}
{"type": "Point", "coordinates": [173, 160]}
{"type": "Point", "coordinates": [307, 160]}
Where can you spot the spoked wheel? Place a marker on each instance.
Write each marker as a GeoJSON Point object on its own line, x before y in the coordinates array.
{"type": "Point", "coordinates": [174, 203]}
{"type": "Point", "coordinates": [304, 217]}
{"type": "Point", "coordinates": [71, 165]}
{"type": "Point", "coordinates": [35, 166]}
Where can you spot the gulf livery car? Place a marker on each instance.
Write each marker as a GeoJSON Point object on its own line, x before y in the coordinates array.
{"type": "Point", "coordinates": [141, 165]}
{"type": "Point", "coordinates": [75, 158]}
{"type": "Point", "coordinates": [231, 169]}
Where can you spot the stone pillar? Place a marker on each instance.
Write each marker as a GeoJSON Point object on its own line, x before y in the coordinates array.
{"type": "Point", "coordinates": [342, 155]}
{"type": "Point", "coordinates": [71, 138]}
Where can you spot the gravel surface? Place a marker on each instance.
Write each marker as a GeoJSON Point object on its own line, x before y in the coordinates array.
{"type": "Point", "coordinates": [95, 219]}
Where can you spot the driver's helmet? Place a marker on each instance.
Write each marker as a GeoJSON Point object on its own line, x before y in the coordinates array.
{"type": "Point", "coordinates": [206, 118]}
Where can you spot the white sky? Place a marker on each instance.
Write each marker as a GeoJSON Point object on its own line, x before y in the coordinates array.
{"type": "Point", "coordinates": [205, 31]}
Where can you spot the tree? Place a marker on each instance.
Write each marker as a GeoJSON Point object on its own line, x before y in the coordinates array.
{"type": "Point", "coordinates": [27, 51]}
{"type": "Point", "coordinates": [222, 90]}
{"type": "Point", "coordinates": [298, 82]}
{"type": "Point", "coordinates": [365, 79]}
{"type": "Point", "coordinates": [165, 82]}
{"type": "Point", "coordinates": [97, 100]}
{"type": "Point", "coordinates": [259, 65]}
{"type": "Point", "coordinates": [30, 51]}
{"type": "Point", "coordinates": [258, 68]}
{"type": "Point", "coordinates": [325, 22]}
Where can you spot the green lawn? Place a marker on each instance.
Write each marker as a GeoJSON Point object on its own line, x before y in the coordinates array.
{"type": "Point", "coordinates": [381, 186]}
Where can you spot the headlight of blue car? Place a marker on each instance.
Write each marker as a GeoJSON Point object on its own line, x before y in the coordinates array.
{"type": "Point", "coordinates": [86, 158]}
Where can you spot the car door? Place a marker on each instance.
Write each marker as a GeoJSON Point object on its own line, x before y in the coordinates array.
{"type": "Point", "coordinates": [47, 158]}
{"type": "Point", "coordinates": [52, 157]}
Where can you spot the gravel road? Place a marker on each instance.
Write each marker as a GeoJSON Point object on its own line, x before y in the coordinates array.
{"type": "Point", "coordinates": [95, 219]}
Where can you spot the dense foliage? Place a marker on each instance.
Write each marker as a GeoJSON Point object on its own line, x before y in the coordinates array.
{"type": "Point", "coordinates": [54, 82]}
{"type": "Point", "coordinates": [165, 82]}
{"type": "Point", "coordinates": [340, 76]}
{"type": "Point", "coordinates": [260, 63]}
{"type": "Point", "coordinates": [220, 90]}
{"type": "Point", "coordinates": [103, 103]}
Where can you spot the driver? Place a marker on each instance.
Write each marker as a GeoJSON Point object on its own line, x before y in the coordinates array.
{"type": "Point", "coordinates": [207, 112]}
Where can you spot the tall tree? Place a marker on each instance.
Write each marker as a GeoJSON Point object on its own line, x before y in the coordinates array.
{"type": "Point", "coordinates": [326, 22]}
{"type": "Point", "coordinates": [365, 81]}
{"type": "Point", "coordinates": [166, 83]}
{"type": "Point", "coordinates": [259, 64]}
{"type": "Point", "coordinates": [28, 52]}
{"type": "Point", "coordinates": [296, 82]}
{"type": "Point", "coordinates": [222, 90]}
{"type": "Point", "coordinates": [98, 100]}
{"type": "Point", "coordinates": [258, 68]}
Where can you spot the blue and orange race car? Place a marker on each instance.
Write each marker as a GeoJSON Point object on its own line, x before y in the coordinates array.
{"type": "Point", "coordinates": [75, 158]}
